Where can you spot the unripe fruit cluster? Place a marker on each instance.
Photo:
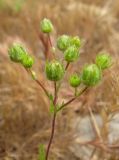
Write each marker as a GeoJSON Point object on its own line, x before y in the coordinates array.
{"type": "Point", "coordinates": [67, 44]}
{"type": "Point", "coordinates": [70, 46]}
{"type": "Point", "coordinates": [18, 54]}
{"type": "Point", "coordinates": [92, 73]}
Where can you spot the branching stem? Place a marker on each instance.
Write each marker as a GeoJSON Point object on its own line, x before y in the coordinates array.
{"type": "Point", "coordinates": [74, 98]}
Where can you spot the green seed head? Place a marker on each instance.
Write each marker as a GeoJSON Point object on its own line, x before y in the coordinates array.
{"type": "Point", "coordinates": [27, 61]}
{"type": "Point", "coordinates": [74, 80]}
{"type": "Point", "coordinates": [71, 54]}
{"type": "Point", "coordinates": [46, 26]}
{"type": "Point", "coordinates": [103, 60]}
{"type": "Point", "coordinates": [63, 42]}
{"type": "Point", "coordinates": [75, 41]}
{"type": "Point", "coordinates": [16, 52]}
{"type": "Point", "coordinates": [54, 70]}
{"type": "Point", "coordinates": [91, 75]}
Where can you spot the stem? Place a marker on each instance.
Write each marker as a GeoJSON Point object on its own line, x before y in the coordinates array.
{"type": "Point", "coordinates": [67, 65]}
{"type": "Point", "coordinates": [55, 93]}
{"type": "Point", "coordinates": [49, 39]}
{"type": "Point", "coordinates": [75, 91]}
{"type": "Point", "coordinates": [51, 45]}
{"type": "Point", "coordinates": [59, 85]}
{"type": "Point", "coordinates": [74, 98]}
{"type": "Point", "coordinates": [44, 89]}
{"type": "Point", "coordinates": [39, 83]}
{"type": "Point", "coordinates": [53, 122]}
{"type": "Point", "coordinates": [51, 137]}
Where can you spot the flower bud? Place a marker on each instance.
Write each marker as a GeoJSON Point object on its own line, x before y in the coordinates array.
{"type": "Point", "coordinates": [71, 54]}
{"type": "Point", "coordinates": [75, 41]}
{"type": "Point", "coordinates": [16, 52]}
{"type": "Point", "coordinates": [46, 26]}
{"type": "Point", "coordinates": [27, 61]}
{"type": "Point", "coordinates": [103, 61]}
{"type": "Point", "coordinates": [63, 42]}
{"type": "Point", "coordinates": [75, 80]}
{"type": "Point", "coordinates": [91, 75]}
{"type": "Point", "coordinates": [54, 70]}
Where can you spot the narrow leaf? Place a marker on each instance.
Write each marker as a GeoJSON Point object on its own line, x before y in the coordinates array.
{"type": "Point", "coordinates": [41, 155]}
{"type": "Point", "coordinates": [51, 97]}
{"type": "Point", "coordinates": [51, 107]}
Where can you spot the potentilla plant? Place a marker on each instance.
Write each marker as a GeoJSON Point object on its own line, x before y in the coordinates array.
{"type": "Point", "coordinates": [55, 71]}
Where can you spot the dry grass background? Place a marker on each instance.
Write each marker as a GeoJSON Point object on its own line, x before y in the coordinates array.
{"type": "Point", "coordinates": [24, 115]}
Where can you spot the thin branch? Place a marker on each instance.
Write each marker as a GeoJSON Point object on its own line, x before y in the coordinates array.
{"type": "Point", "coordinates": [59, 85]}
{"type": "Point", "coordinates": [45, 45]}
{"type": "Point", "coordinates": [55, 93]}
{"type": "Point", "coordinates": [51, 46]}
{"type": "Point", "coordinates": [74, 98]}
{"type": "Point", "coordinates": [44, 89]}
{"type": "Point", "coordinates": [39, 83]}
{"type": "Point", "coordinates": [49, 39]}
{"type": "Point", "coordinates": [75, 91]}
{"type": "Point", "coordinates": [67, 65]}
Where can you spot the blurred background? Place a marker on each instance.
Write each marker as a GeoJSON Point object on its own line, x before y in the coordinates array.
{"type": "Point", "coordinates": [24, 113]}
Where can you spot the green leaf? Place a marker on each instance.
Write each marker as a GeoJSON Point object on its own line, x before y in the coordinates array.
{"type": "Point", "coordinates": [52, 107]}
{"type": "Point", "coordinates": [41, 155]}
{"type": "Point", "coordinates": [51, 97]}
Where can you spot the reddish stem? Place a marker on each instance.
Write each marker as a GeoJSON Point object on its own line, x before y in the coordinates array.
{"type": "Point", "coordinates": [72, 99]}
{"type": "Point", "coordinates": [51, 137]}
{"type": "Point", "coordinates": [67, 65]}
{"type": "Point", "coordinates": [53, 121]}
{"type": "Point", "coordinates": [39, 83]}
{"type": "Point", "coordinates": [44, 89]}
{"type": "Point", "coordinates": [49, 39]}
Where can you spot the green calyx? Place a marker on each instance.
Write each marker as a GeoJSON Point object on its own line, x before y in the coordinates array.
{"type": "Point", "coordinates": [75, 80]}
{"type": "Point", "coordinates": [103, 61]}
{"type": "Point", "coordinates": [16, 53]}
{"type": "Point", "coordinates": [27, 61]}
{"type": "Point", "coordinates": [91, 75]}
{"type": "Point", "coordinates": [54, 70]}
{"type": "Point", "coordinates": [46, 26]}
{"type": "Point", "coordinates": [75, 41]}
{"type": "Point", "coordinates": [63, 42]}
{"type": "Point", "coordinates": [71, 54]}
